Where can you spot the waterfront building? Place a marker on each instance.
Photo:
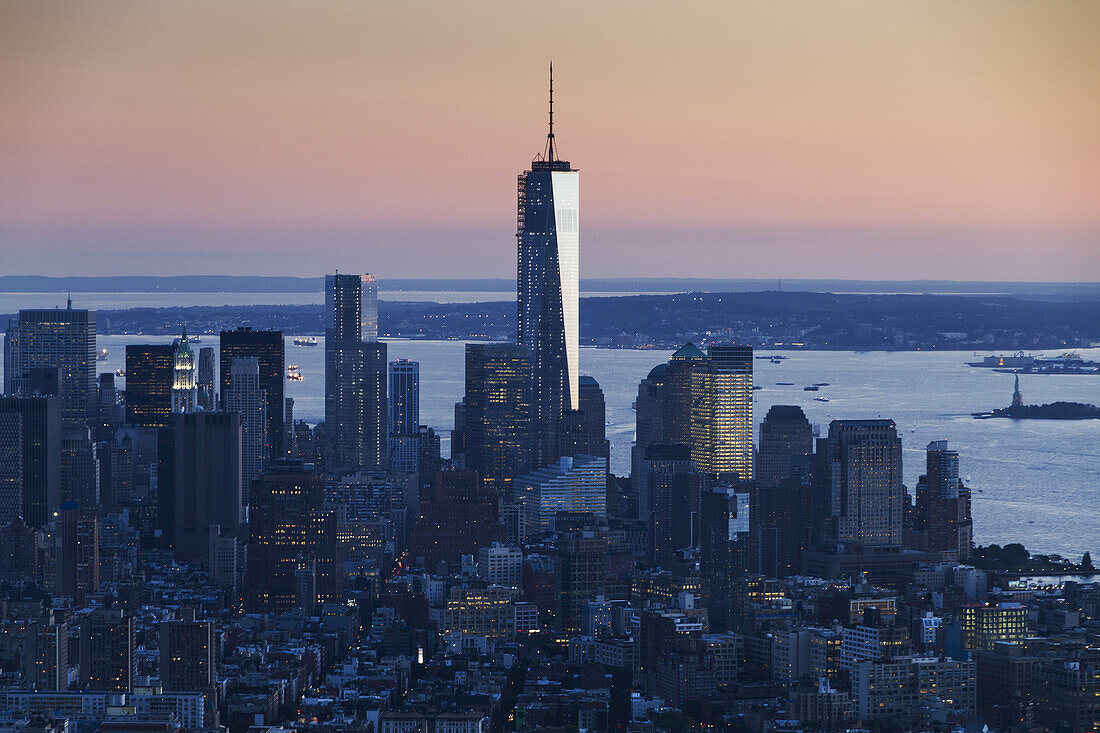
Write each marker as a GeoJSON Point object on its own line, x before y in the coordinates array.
{"type": "Point", "coordinates": [150, 373]}
{"type": "Point", "coordinates": [199, 478]}
{"type": "Point", "coordinates": [573, 484]}
{"type": "Point", "coordinates": [784, 434]}
{"type": "Point", "coordinates": [247, 397]}
{"type": "Point", "coordinates": [268, 348]}
{"type": "Point", "coordinates": [30, 459]}
{"type": "Point", "coordinates": [865, 499]}
{"type": "Point", "coordinates": [548, 286]}
{"type": "Point", "coordinates": [721, 412]}
{"type": "Point", "coordinates": [941, 520]}
{"type": "Point", "coordinates": [55, 338]}
{"type": "Point", "coordinates": [497, 412]}
{"type": "Point", "coordinates": [184, 384]}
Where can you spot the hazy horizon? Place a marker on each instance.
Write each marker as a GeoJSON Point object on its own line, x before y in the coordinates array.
{"type": "Point", "coordinates": [865, 140]}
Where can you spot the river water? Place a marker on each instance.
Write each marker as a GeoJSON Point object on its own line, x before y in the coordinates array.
{"type": "Point", "coordinates": [1034, 481]}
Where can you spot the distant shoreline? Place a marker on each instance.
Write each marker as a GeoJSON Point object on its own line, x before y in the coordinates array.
{"type": "Point", "coordinates": [626, 286]}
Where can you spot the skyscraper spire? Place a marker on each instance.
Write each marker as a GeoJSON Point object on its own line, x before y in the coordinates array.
{"type": "Point", "coordinates": [551, 153]}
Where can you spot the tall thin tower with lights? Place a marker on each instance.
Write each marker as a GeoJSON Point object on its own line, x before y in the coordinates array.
{"type": "Point", "coordinates": [548, 272]}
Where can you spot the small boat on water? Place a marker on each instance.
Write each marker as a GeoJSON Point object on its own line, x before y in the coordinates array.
{"type": "Point", "coordinates": [785, 384]}
{"type": "Point", "coordinates": [292, 373]}
{"type": "Point", "coordinates": [811, 388]}
{"type": "Point", "coordinates": [821, 384]}
{"type": "Point", "coordinates": [305, 341]}
{"type": "Point", "coordinates": [120, 373]}
{"type": "Point", "coordinates": [102, 355]}
{"type": "Point", "coordinates": [821, 399]}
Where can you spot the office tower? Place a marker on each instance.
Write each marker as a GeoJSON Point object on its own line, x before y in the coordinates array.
{"type": "Point", "coordinates": [64, 339]}
{"type": "Point", "coordinates": [46, 664]}
{"type": "Point", "coordinates": [941, 519]}
{"type": "Point", "coordinates": [430, 461]}
{"type": "Point", "coordinates": [721, 425]}
{"type": "Point", "coordinates": [248, 398]}
{"type": "Point", "coordinates": [784, 434]}
{"type": "Point", "coordinates": [355, 381]}
{"type": "Point", "coordinates": [370, 307]}
{"type": "Point", "coordinates": [107, 651]}
{"type": "Point", "coordinates": [865, 495]}
{"type": "Point", "coordinates": [291, 535]}
{"type": "Point", "coordinates": [344, 372]}
{"type": "Point", "coordinates": [573, 484]}
{"type": "Point", "coordinates": [78, 569]}
{"type": "Point", "coordinates": [37, 422]}
{"type": "Point", "coordinates": [268, 348]}
{"type": "Point", "coordinates": [288, 427]}
{"type": "Point", "coordinates": [583, 431]}
{"type": "Point", "coordinates": [11, 467]}
{"type": "Point", "coordinates": [116, 471]}
{"type": "Point", "coordinates": [457, 513]}
{"type": "Point", "coordinates": [724, 553]}
{"type": "Point", "coordinates": [199, 479]}
{"type": "Point", "coordinates": [782, 522]}
{"type": "Point", "coordinates": [404, 419]}
{"type": "Point", "coordinates": [79, 466]}
{"type": "Point", "coordinates": [670, 487]}
{"type": "Point", "coordinates": [580, 574]}
{"type": "Point", "coordinates": [184, 384]}
{"type": "Point", "coordinates": [497, 410]}
{"type": "Point", "coordinates": [150, 372]}
{"type": "Point", "coordinates": [664, 404]}
{"type": "Point", "coordinates": [187, 654]}
{"type": "Point", "coordinates": [109, 408]}
{"type": "Point", "coordinates": [548, 285]}
{"type": "Point", "coordinates": [375, 408]}
{"type": "Point", "coordinates": [206, 379]}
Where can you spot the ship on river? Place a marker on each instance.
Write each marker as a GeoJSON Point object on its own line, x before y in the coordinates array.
{"type": "Point", "coordinates": [1021, 363]}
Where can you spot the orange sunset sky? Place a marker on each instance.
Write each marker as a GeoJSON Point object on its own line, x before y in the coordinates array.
{"type": "Point", "coordinates": [878, 139]}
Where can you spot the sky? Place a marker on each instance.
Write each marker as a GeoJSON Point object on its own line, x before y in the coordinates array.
{"type": "Point", "coordinates": [823, 138]}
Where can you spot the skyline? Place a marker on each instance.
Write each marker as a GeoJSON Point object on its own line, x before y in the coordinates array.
{"type": "Point", "coordinates": [871, 142]}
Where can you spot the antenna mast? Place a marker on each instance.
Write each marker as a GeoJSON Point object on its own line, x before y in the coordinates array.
{"type": "Point", "coordinates": [550, 154]}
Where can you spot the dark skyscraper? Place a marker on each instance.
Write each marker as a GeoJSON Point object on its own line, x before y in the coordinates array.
{"type": "Point", "coordinates": [404, 421]}
{"type": "Point", "coordinates": [548, 285]}
{"type": "Point", "coordinates": [199, 475]}
{"type": "Point", "coordinates": [290, 533]}
{"type": "Point", "coordinates": [671, 489]}
{"type": "Point", "coordinates": [355, 380]}
{"type": "Point", "coordinates": [497, 412]}
{"type": "Point", "coordinates": [207, 382]}
{"type": "Point", "coordinates": [941, 519]}
{"type": "Point", "coordinates": [64, 339]}
{"type": "Point", "coordinates": [187, 658]}
{"type": "Point", "coordinates": [150, 371]}
{"type": "Point", "coordinates": [268, 349]}
{"type": "Point", "coordinates": [784, 433]}
{"type": "Point", "coordinates": [37, 422]}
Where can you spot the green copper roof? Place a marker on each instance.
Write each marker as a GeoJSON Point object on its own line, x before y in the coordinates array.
{"type": "Point", "coordinates": [688, 351]}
